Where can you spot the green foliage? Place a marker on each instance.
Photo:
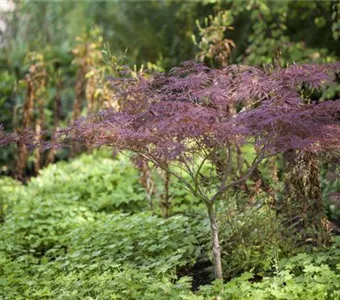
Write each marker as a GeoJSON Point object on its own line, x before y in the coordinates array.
{"type": "Point", "coordinates": [7, 108]}
{"type": "Point", "coordinates": [98, 275]}
{"type": "Point", "coordinates": [94, 181]}
{"type": "Point", "coordinates": [117, 283]}
{"type": "Point", "coordinates": [7, 85]}
{"type": "Point", "coordinates": [36, 224]}
{"type": "Point", "coordinates": [55, 244]}
{"type": "Point", "coordinates": [336, 20]}
{"type": "Point", "coordinates": [64, 196]}
{"type": "Point", "coordinates": [281, 32]}
{"type": "Point", "coordinates": [144, 241]}
{"type": "Point", "coordinates": [115, 257]}
{"type": "Point", "coordinates": [58, 241]}
{"type": "Point", "coordinates": [213, 46]}
{"type": "Point", "coordinates": [69, 194]}
{"type": "Point", "coordinates": [260, 28]}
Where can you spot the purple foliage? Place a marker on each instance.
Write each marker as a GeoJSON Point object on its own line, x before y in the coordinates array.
{"type": "Point", "coordinates": [190, 109]}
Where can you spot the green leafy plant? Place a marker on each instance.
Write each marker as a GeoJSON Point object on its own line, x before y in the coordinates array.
{"type": "Point", "coordinates": [133, 256]}
{"type": "Point", "coordinates": [95, 181]}
{"type": "Point", "coordinates": [37, 224]}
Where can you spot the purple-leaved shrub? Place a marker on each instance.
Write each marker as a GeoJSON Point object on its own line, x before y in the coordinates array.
{"type": "Point", "coordinates": [181, 120]}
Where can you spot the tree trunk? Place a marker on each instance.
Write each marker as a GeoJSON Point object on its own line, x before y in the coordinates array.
{"type": "Point", "coordinates": [215, 242]}
{"type": "Point", "coordinates": [77, 104]}
{"type": "Point", "coordinates": [56, 119]}
{"type": "Point", "coordinates": [146, 181]}
{"type": "Point", "coordinates": [39, 123]}
{"type": "Point", "coordinates": [37, 151]}
{"type": "Point", "coordinates": [26, 123]}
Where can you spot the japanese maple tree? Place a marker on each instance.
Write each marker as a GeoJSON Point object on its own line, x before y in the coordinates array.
{"type": "Point", "coordinates": [182, 123]}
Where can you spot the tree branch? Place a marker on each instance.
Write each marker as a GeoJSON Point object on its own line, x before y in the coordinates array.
{"type": "Point", "coordinates": [254, 165]}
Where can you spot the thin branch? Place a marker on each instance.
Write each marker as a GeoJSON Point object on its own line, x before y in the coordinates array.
{"type": "Point", "coordinates": [255, 163]}
{"type": "Point", "coordinates": [181, 179]}
{"type": "Point", "coordinates": [228, 170]}
{"type": "Point", "coordinates": [198, 172]}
